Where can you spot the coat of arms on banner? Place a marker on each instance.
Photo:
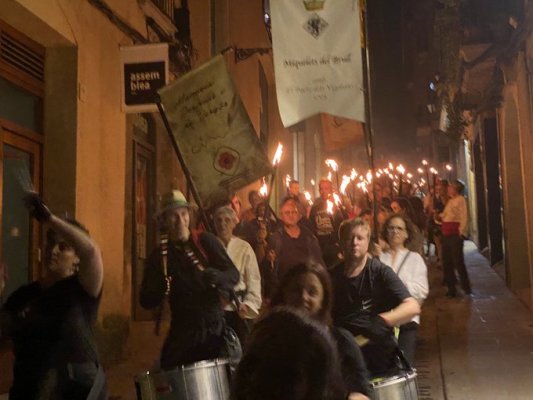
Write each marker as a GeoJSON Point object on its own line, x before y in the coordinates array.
{"type": "Point", "coordinates": [215, 134]}
{"type": "Point", "coordinates": [315, 25]}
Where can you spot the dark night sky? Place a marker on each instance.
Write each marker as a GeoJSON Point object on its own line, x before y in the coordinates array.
{"type": "Point", "coordinates": [392, 103]}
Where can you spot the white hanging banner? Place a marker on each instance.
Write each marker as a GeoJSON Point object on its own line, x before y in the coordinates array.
{"type": "Point", "coordinates": [144, 72]}
{"type": "Point", "coordinates": [317, 58]}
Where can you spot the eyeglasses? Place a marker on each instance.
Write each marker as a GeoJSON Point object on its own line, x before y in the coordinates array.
{"type": "Point", "coordinates": [392, 228]}
{"type": "Point", "coordinates": [291, 212]}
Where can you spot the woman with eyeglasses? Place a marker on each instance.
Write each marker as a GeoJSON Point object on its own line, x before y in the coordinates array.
{"type": "Point", "coordinates": [50, 321]}
{"type": "Point", "coordinates": [398, 232]}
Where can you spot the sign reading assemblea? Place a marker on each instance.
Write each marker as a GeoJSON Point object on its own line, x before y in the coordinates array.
{"type": "Point", "coordinates": [317, 58]}
{"type": "Point", "coordinates": [145, 71]}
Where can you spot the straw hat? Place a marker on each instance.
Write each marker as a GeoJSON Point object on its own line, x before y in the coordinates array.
{"type": "Point", "coordinates": [172, 200]}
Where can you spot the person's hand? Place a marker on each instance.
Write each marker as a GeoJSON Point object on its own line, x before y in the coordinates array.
{"type": "Point", "coordinates": [378, 328]}
{"type": "Point", "coordinates": [357, 396]}
{"type": "Point", "coordinates": [211, 276]}
{"type": "Point", "coordinates": [271, 256]}
{"type": "Point", "coordinates": [243, 310]}
{"type": "Point", "coordinates": [36, 207]}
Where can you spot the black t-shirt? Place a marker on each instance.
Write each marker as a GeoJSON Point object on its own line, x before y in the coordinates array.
{"type": "Point", "coordinates": [358, 301]}
{"type": "Point", "coordinates": [375, 290]}
{"type": "Point", "coordinates": [50, 328]}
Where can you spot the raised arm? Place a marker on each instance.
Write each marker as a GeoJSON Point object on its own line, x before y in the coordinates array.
{"type": "Point", "coordinates": [91, 270]}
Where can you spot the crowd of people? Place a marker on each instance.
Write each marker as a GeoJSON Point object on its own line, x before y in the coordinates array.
{"type": "Point", "coordinates": [307, 304]}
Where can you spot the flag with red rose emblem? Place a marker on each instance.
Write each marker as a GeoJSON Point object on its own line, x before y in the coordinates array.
{"type": "Point", "coordinates": [214, 132]}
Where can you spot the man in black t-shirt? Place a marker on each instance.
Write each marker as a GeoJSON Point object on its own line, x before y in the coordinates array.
{"type": "Point", "coordinates": [369, 299]}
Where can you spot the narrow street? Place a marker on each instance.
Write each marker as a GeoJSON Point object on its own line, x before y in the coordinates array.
{"type": "Point", "coordinates": [469, 348]}
{"type": "Point", "coordinates": [475, 348]}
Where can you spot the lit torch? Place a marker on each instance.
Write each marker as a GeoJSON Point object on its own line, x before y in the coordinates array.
{"type": "Point", "coordinates": [449, 171]}
{"type": "Point", "coordinates": [344, 184]}
{"type": "Point", "coordinates": [329, 207]}
{"type": "Point", "coordinates": [275, 162]}
{"type": "Point", "coordinates": [308, 197]}
{"type": "Point", "coordinates": [401, 170]}
{"type": "Point", "coordinates": [335, 167]}
{"type": "Point", "coordinates": [263, 190]}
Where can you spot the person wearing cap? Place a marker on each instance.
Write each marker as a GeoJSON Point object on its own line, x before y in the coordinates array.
{"type": "Point", "coordinates": [248, 291]}
{"type": "Point", "coordinates": [193, 272]}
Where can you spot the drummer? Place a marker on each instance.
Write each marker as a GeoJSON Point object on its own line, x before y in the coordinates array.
{"type": "Point", "coordinates": [197, 272]}
{"type": "Point", "coordinates": [369, 299]}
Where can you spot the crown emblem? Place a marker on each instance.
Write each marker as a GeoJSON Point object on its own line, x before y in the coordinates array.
{"type": "Point", "coordinates": [314, 5]}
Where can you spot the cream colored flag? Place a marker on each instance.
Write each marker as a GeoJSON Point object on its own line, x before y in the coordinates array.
{"type": "Point", "coordinates": [317, 58]}
{"type": "Point", "coordinates": [214, 132]}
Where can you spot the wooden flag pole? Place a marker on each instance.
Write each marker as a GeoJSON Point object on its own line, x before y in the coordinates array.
{"type": "Point", "coordinates": [369, 133]}
{"type": "Point", "coordinates": [186, 172]}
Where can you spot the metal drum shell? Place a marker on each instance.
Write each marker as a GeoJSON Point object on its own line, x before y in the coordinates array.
{"type": "Point", "coordinates": [399, 387]}
{"type": "Point", "coordinates": [204, 380]}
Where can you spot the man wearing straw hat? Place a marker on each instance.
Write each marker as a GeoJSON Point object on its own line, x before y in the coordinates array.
{"type": "Point", "coordinates": [193, 273]}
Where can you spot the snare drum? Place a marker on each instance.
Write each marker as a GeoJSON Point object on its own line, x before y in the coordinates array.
{"type": "Point", "coordinates": [398, 387]}
{"type": "Point", "coordinates": [204, 380]}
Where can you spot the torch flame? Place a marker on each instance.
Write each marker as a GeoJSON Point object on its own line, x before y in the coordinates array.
{"type": "Point", "coordinates": [277, 155]}
{"type": "Point", "coordinates": [433, 171]}
{"type": "Point", "coordinates": [344, 184]}
{"type": "Point", "coordinates": [391, 167]}
{"type": "Point", "coordinates": [420, 170]}
{"type": "Point", "coordinates": [353, 174]}
{"type": "Point", "coordinates": [448, 167]}
{"type": "Point", "coordinates": [337, 199]}
{"type": "Point", "coordinates": [288, 180]}
{"type": "Point", "coordinates": [263, 190]}
{"type": "Point", "coordinates": [369, 176]}
{"type": "Point", "coordinates": [329, 207]}
{"type": "Point", "coordinates": [329, 176]}
{"type": "Point", "coordinates": [424, 162]}
{"type": "Point", "coordinates": [332, 164]}
{"type": "Point", "coordinates": [312, 182]}
{"type": "Point", "coordinates": [409, 175]}
{"type": "Point", "coordinates": [400, 169]}
{"type": "Point", "coordinates": [308, 197]}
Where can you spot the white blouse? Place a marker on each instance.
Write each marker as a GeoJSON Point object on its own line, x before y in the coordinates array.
{"type": "Point", "coordinates": [243, 256]}
{"type": "Point", "coordinates": [413, 273]}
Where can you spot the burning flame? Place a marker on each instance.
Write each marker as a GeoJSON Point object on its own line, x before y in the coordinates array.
{"type": "Point", "coordinates": [400, 169]}
{"type": "Point", "coordinates": [263, 190]}
{"type": "Point", "coordinates": [433, 171]}
{"type": "Point", "coordinates": [391, 167]}
{"type": "Point", "coordinates": [308, 197]}
{"type": "Point", "coordinates": [332, 164]}
{"type": "Point", "coordinates": [329, 176]}
{"type": "Point", "coordinates": [424, 162]}
{"type": "Point", "coordinates": [353, 174]}
{"type": "Point", "coordinates": [448, 167]}
{"type": "Point", "coordinates": [409, 175]}
{"type": "Point", "coordinates": [337, 199]}
{"type": "Point", "coordinates": [288, 180]}
{"type": "Point", "coordinates": [277, 155]}
{"type": "Point", "coordinates": [312, 182]}
{"type": "Point", "coordinates": [369, 176]}
{"type": "Point", "coordinates": [344, 184]}
{"type": "Point", "coordinates": [329, 207]}
{"type": "Point", "coordinates": [420, 170]}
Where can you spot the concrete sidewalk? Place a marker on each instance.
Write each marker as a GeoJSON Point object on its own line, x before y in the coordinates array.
{"type": "Point", "coordinates": [478, 347]}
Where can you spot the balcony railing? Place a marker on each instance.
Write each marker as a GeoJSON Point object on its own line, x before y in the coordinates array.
{"type": "Point", "coordinates": [166, 7]}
